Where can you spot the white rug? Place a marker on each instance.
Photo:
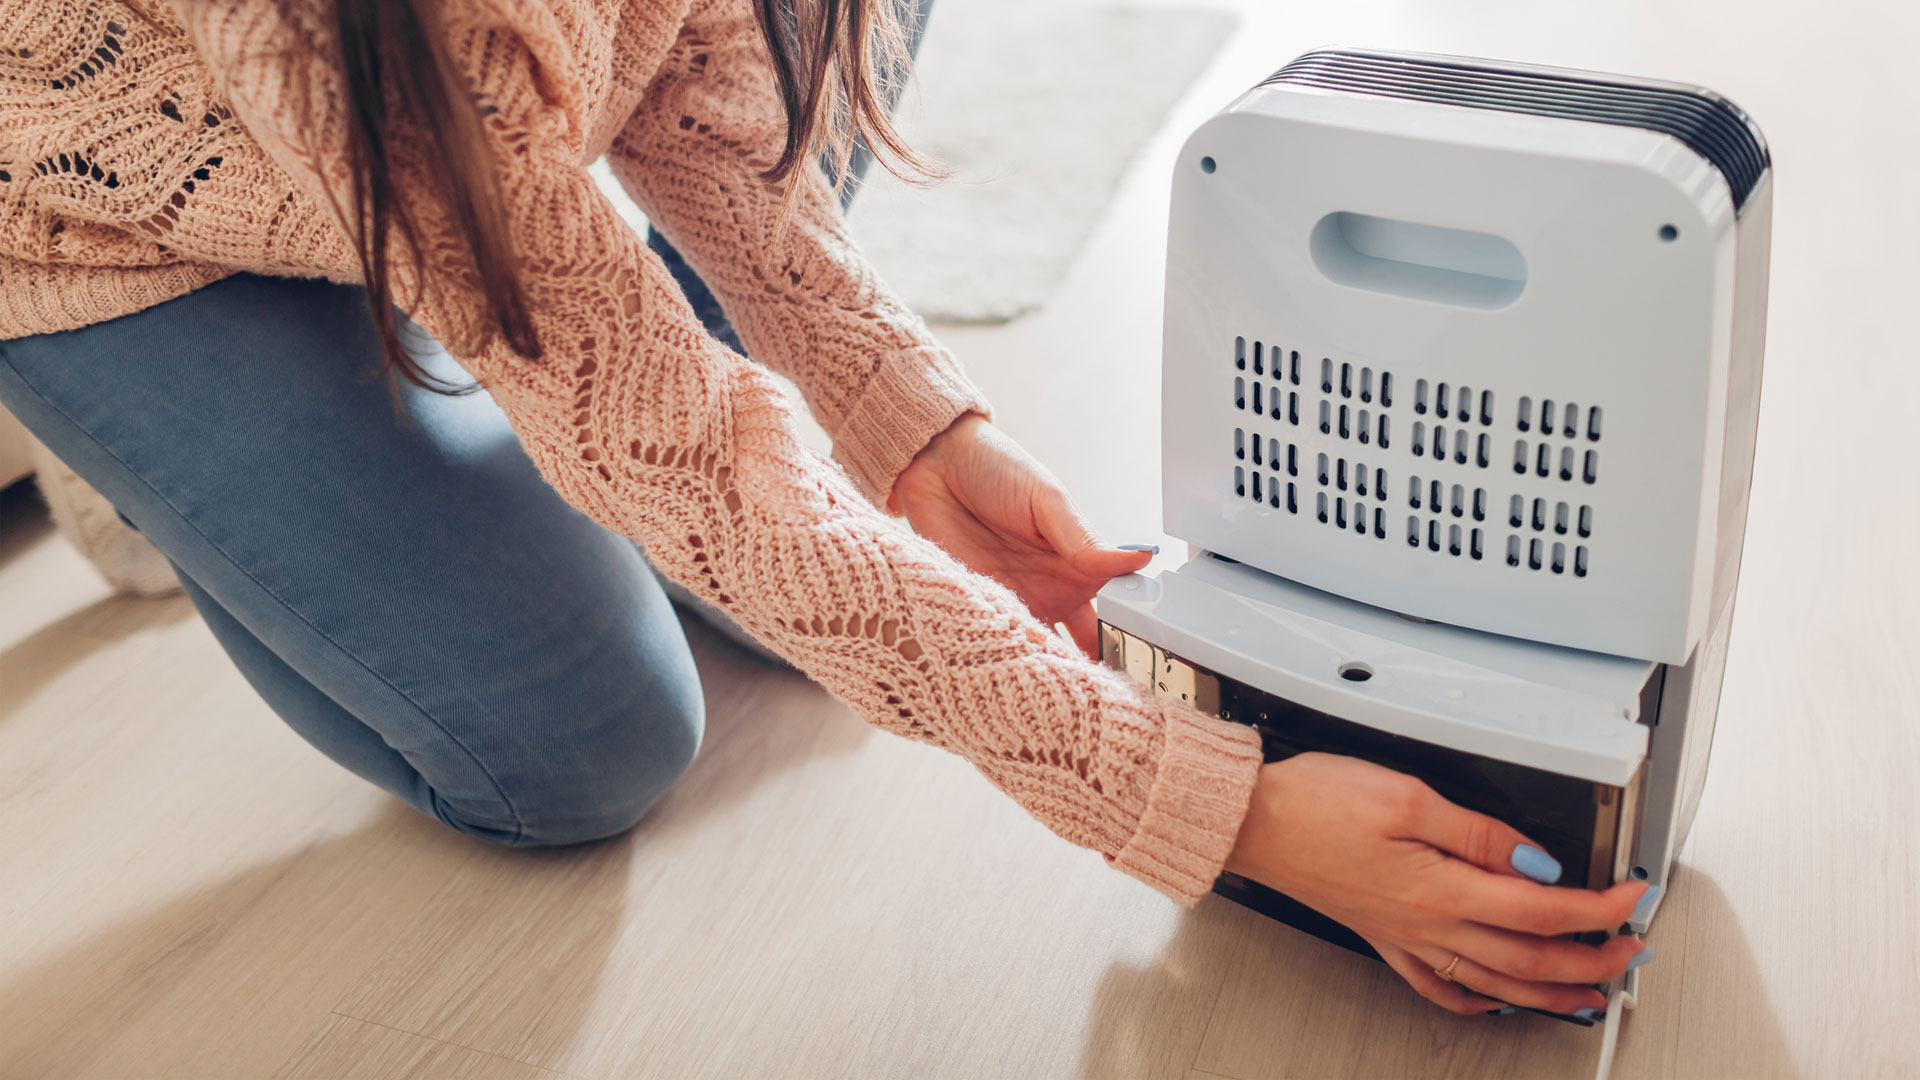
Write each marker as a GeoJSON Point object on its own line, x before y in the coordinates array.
{"type": "Point", "coordinates": [1038, 107]}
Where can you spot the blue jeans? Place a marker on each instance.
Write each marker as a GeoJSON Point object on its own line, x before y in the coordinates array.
{"type": "Point", "coordinates": [399, 585]}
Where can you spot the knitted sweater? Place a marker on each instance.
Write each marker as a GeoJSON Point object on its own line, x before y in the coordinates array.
{"type": "Point", "coordinates": [148, 149]}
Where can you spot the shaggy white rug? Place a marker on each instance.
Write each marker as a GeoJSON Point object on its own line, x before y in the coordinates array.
{"type": "Point", "coordinates": [1038, 107]}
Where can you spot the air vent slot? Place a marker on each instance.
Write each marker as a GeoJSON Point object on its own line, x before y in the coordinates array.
{"type": "Point", "coordinates": [1707, 123]}
{"type": "Point", "coordinates": [1342, 462]}
{"type": "Point", "coordinates": [1574, 460]}
{"type": "Point", "coordinates": [1346, 486]}
{"type": "Point", "coordinates": [1450, 506]}
{"type": "Point", "coordinates": [1547, 533]}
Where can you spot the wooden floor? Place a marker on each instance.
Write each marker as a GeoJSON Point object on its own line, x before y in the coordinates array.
{"type": "Point", "coordinates": [187, 890]}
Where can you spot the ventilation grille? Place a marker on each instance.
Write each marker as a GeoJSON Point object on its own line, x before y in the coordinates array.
{"type": "Point", "coordinates": [1545, 532]}
{"type": "Point", "coordinates": [1707, 123]}
{"type": "Point", "coordinates": [1288, 457]}
{"type": "Point", "coordinates": [1454, 517]}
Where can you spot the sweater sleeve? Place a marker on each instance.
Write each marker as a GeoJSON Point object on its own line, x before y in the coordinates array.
{"type": "Point", "coordinates": [643, 421]}
{"type": "Point", "coordinates": [792, 282]}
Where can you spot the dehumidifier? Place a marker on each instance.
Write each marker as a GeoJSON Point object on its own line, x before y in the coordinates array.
{"type": "Point", "coordinates": [1460, 375]}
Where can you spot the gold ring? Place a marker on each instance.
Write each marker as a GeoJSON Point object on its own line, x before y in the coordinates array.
{"type": "Point", "coordinates": [1446, 973]}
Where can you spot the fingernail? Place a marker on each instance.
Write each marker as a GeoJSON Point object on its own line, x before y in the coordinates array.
{"type": "Point", "coordinates": [1591, 1016]}
{"type": "Point", "coordinates": [1640, 957]}
{"type": "Point", "coordinates": [1151, 549]}
{"type": "Point", "coordinates": [1536, 864]}
{"type": "Point", "coordinates": [1508, 1011]}
{"type": "Point", "coordinates": [1643, 910]}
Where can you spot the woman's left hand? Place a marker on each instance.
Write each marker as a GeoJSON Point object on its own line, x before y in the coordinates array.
{"type": "Point", "coordinates": [977, 494]}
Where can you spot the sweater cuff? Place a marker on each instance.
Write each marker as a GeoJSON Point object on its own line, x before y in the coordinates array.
{"type": "Point", "coordinates": [1194, 810]}
{"type": "Point", "coordinates": [914, 395]}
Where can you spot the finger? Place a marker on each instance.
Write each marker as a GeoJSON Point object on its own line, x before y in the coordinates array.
{"type": "Point", "coordinates": [1488, 843]}
{"type": "Point", "coordinates": [1450, 996]}
{"type": "Point", "coordinates": [1513, 903]}
{"type": "Point", "coordinates": [1476, 978]}
{"type": "Point", "coordinates": [1543, 959]}
{"type": "Point", "coordinates": [1062, 527]}
{"type": "Point", "coordinates": [1105, 563]}
{"type": "Point", "coordinates": [1084, 627]}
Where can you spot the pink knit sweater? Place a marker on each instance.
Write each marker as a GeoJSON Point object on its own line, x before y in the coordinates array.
{"type": "Point", "coordinates": [146, 150]}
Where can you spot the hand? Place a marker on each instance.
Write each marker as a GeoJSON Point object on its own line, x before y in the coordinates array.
{"type": "Point", "coordinates": [1423, 880]}
{"type": "Point", "coordinates": [977, 494]}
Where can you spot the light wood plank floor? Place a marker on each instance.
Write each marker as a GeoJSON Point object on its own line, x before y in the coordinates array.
{"type": "Point", "coordinates": [187, 890]}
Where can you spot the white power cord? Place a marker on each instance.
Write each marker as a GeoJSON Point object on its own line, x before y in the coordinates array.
{"type": "Point", "coordinates": [1624, 997]}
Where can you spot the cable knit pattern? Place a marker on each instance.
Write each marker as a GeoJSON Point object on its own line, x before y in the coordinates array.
{"type": "Point", "coordinates": [147, 151]}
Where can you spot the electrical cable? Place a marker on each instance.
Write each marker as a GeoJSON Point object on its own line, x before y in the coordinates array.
{"type": "Point", "coordinates": [1625, 996]}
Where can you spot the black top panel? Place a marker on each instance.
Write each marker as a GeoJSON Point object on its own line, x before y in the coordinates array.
{"type": "Point", "coordinates": [1712, 126]}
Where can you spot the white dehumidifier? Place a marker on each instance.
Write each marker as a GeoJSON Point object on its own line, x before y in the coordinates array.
{"type": "Point", "coordinates": [1461, 373]}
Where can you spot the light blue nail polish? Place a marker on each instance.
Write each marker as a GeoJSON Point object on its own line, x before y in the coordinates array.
{"type": "Point", "coordinates": [1536, 864]}
{"type": "Point", "coordinates": [1151, 549]}
{"type": "Point", "coordinates": [1591, 1016]}
{"type": "Point", "coordinates": [1508, 1011]}
{"type": "Point", "coordinates": [1643, 910]}
{"type": "Point", "coordinates": [1640, 957]}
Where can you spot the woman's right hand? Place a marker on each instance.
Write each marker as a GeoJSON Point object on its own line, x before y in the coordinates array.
{"type": "Point", "coordinates": [1424, 880]}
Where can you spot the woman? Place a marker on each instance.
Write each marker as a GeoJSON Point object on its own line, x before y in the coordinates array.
{"type": "Point", "coordinates": [209, 213]}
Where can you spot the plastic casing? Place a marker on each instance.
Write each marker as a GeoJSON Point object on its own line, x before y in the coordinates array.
{"type": "Point", "coordinates": [1551, 708]}
{"type": "Point", "coordinates": [1624, 302]}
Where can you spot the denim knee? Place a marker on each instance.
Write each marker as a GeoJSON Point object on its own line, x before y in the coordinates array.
{"type": "Point", "coordinates": [597, 789]}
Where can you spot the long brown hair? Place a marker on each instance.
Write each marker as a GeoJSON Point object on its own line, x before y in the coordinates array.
{"type": "Point", "coordinates": [836, 63]}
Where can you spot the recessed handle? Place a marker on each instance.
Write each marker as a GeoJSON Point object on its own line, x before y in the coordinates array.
{"type": "Point", "coordinates": [1420, 262]}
